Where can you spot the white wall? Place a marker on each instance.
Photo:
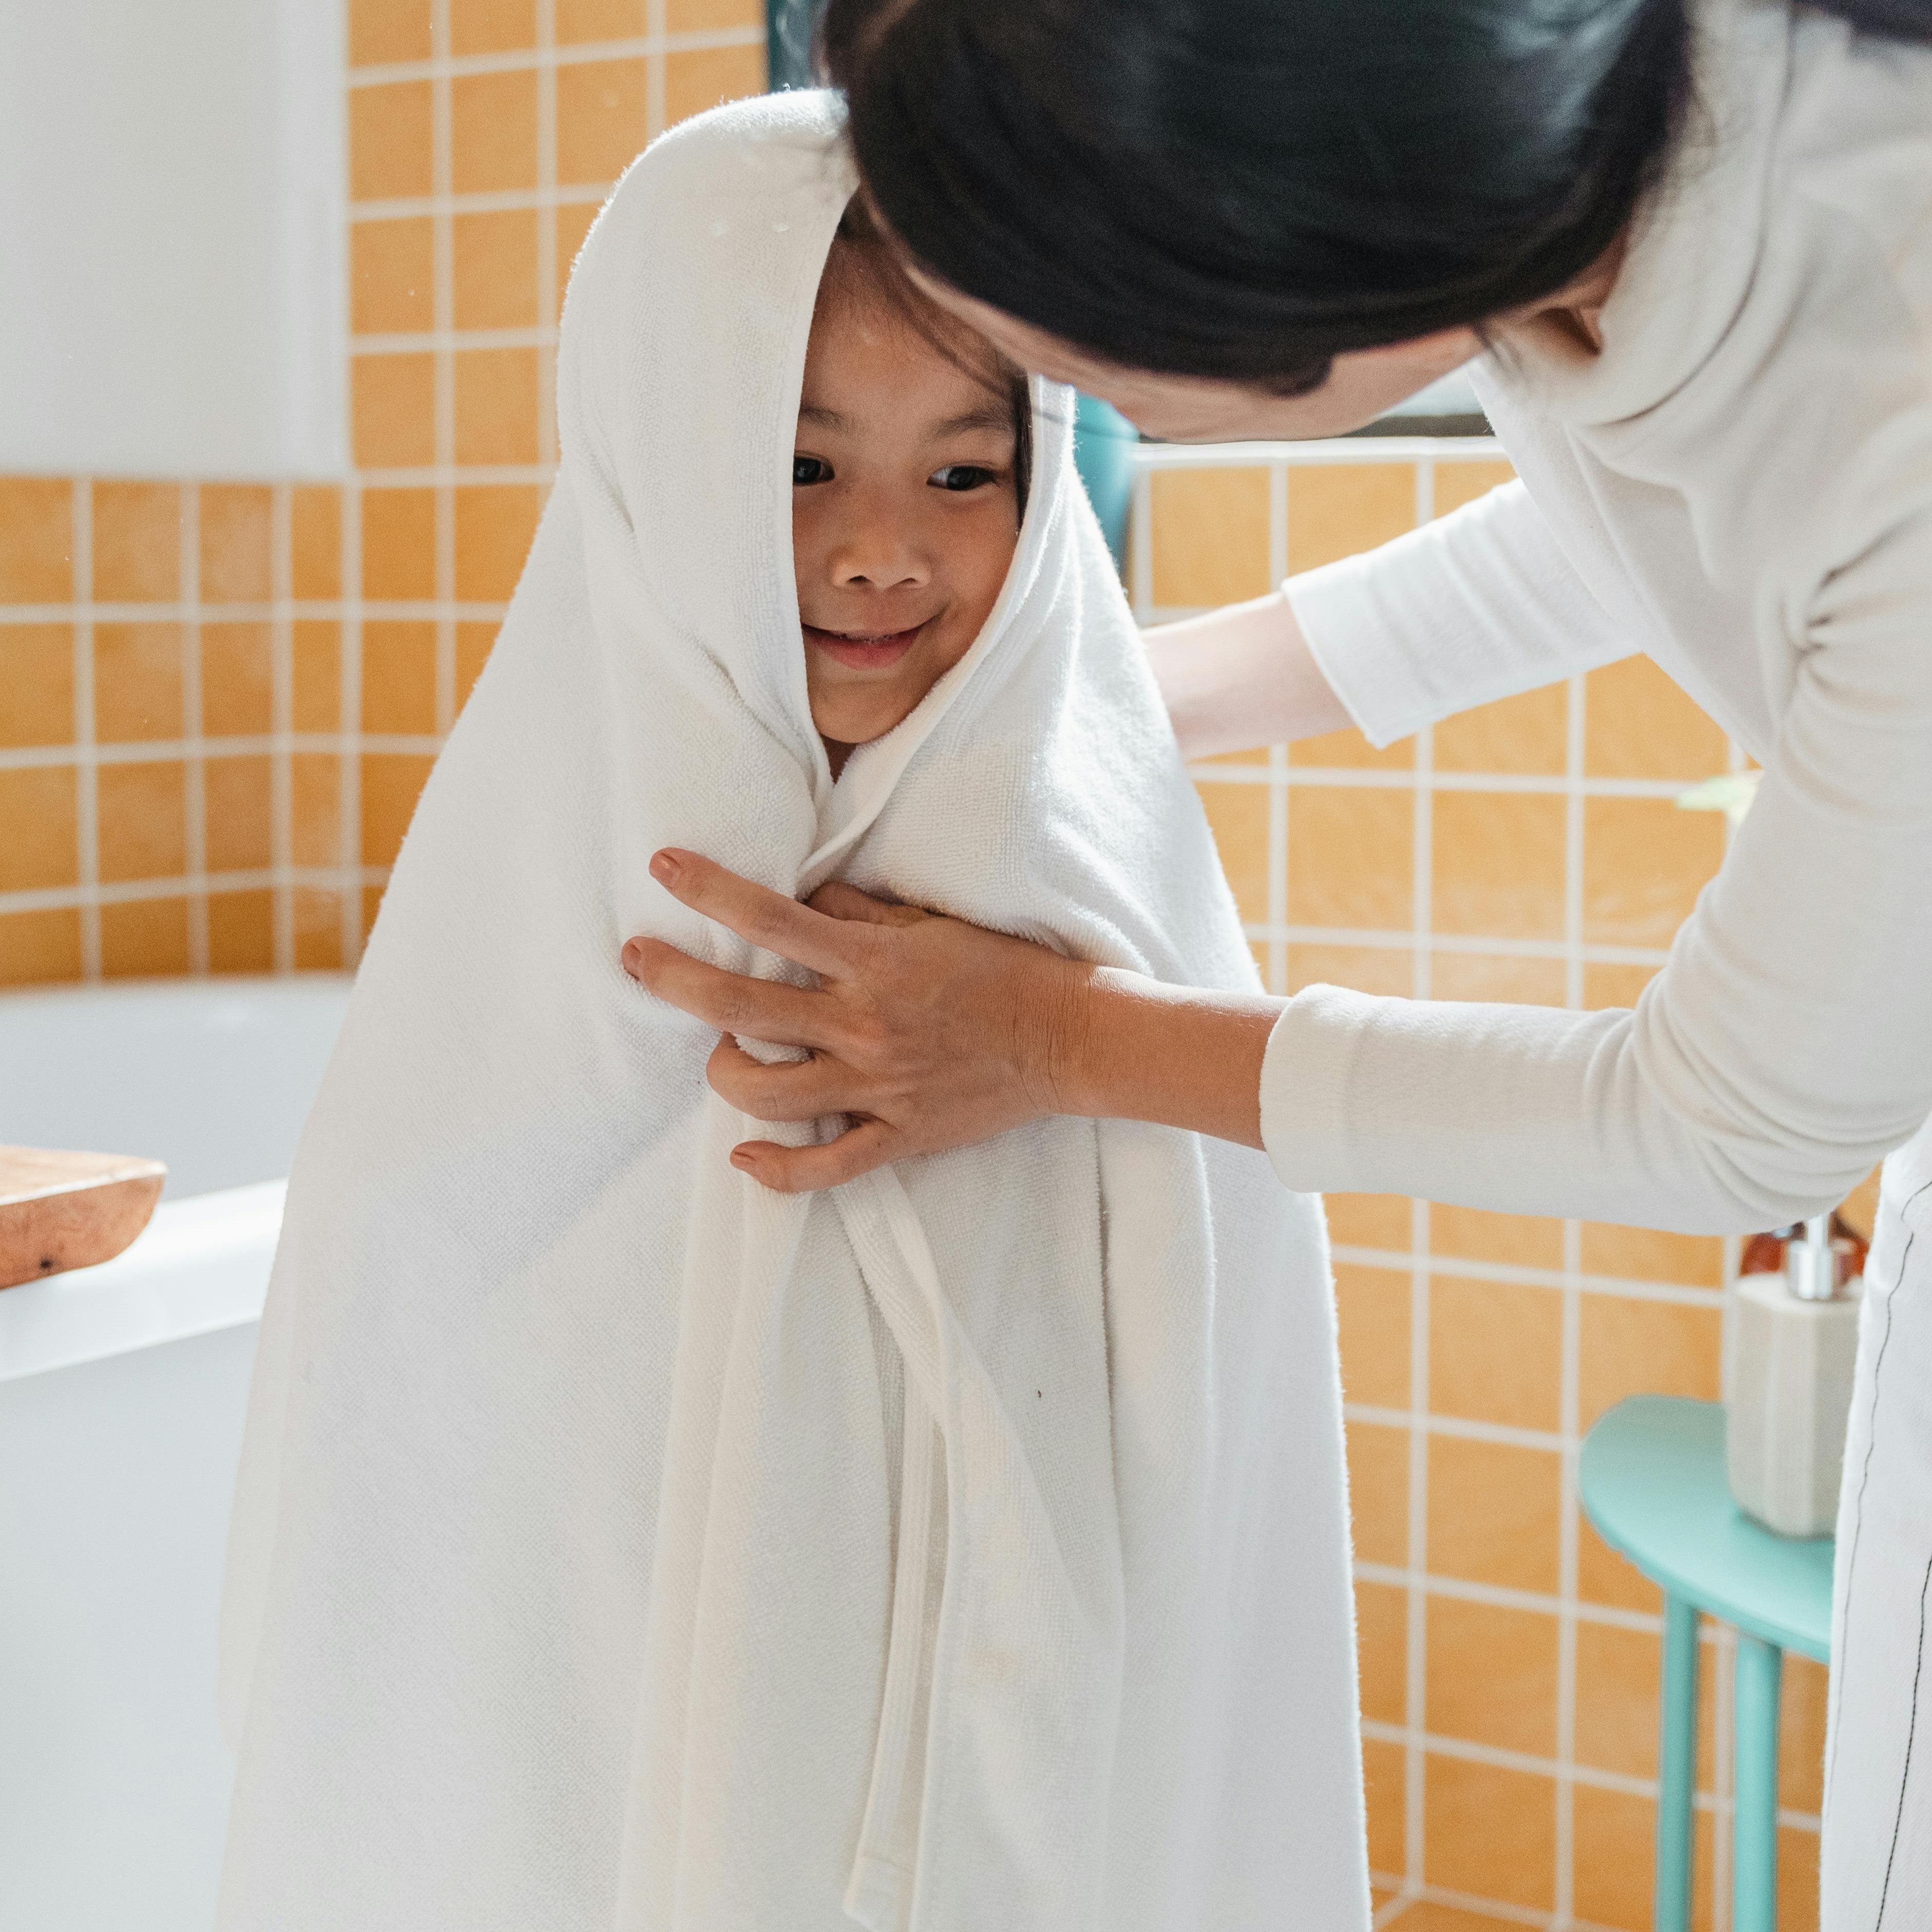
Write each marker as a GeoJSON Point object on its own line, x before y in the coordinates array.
{"type": "Point", "coordinates": [172, 297]}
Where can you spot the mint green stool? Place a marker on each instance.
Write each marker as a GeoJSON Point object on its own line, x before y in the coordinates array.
{"type": "Point", "coordinates": [1652, 1474]}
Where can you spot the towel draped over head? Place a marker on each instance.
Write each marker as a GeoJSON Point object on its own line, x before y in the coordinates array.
{"type": "Point", "coordinates": [622, 1548]}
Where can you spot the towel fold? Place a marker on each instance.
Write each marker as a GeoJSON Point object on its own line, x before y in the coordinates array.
{"type": "Point", "coordinates": [622, 1548]}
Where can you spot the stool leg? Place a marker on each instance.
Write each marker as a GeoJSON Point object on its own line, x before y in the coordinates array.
{"type": "Point", "coordinates": [1676, 1766]}
{"type": "Point", "coordinates": [1760, 1670]}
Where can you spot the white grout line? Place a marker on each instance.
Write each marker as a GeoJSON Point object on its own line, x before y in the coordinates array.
{"type": "Point", "coordinates": [442, 311]}
{"type": "Point", "coordinates": [349, 723]}
{"type": "Point", "coordinates": [444, 65]}
{"type": "Point", "coordinates": [546, 264]}
{"type": "Point", "coordinates": [1384, 939]}
{"type": "Point", "coordinates": [1469, 1270]}
{"type": "Point", "coordinates": [483, 201]}
{"type": "Point", "coordinates": [281, 772]}
{"type": "Point", "coordinates": [325, 609]}
{"type": "Point", "coordinates": [655, 35]}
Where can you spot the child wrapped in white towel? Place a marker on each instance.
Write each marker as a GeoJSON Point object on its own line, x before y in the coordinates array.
{"type": "Point", "coordinates": [621, 1547]}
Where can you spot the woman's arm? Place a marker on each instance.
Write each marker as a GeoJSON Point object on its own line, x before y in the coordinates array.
{"type": "Point", "coordinates": [1241, 676]}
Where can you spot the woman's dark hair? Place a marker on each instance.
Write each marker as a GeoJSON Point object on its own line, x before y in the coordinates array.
{"type": "Point", "coordinates": [1243, 189]}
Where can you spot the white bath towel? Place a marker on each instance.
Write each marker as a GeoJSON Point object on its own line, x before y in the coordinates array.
{"type": "Point", "coordinates": [622, 1548]}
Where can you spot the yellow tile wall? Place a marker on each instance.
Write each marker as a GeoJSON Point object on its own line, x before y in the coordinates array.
{"type": "Point", "coordinates": [1528, 850]}
{"type": "Point", "coordinates": [219, 702]}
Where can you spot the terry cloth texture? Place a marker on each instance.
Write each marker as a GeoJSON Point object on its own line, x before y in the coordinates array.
{"type": "Point", "coordinates": [620, 1546]}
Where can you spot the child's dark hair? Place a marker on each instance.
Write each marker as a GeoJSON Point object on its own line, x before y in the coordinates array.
{"type": "Point", "coordinates": [861, 252]}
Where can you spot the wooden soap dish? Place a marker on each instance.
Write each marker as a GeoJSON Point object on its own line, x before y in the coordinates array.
{"type": "Point", "coordinates": [68, 1210]}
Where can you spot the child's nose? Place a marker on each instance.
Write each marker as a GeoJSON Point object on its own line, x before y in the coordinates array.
{"type": "Point", "coordinates": [878, 552]}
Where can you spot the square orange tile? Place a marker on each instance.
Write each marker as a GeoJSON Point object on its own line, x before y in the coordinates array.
{"type": "Point", "coordinates": [237, 543]}
{"type": "Point", "coordinates": [315, 541]}
{"type": "Point", "coordinates": [1489, 1832]}
{"type": "Point", "coordinates": [1501, 976]}
{"type": "Point", "coordinates": [581, 20]}
{"type": "Point", "coordinates": [493, 132]}
{"type": "Point", "coordinates": [238, 825]}
{"type": "Point", "coordinates": [1350, 857]}
{"type": "Point", "coordinates": [1385, 1787]}
{"type": "Point", "coordinates": [1237, 815]}
{"type": "Point", "coordinates": [1369, 1220]}
{"type": "Point", "coordinates": [391, 276]}
{"type": "Point", "coordinates": [1529, 734]}
{"type": "Point", "coordinates": [1349, 751]}
{"type": "Point", "coordinates": [237, 680]}
{"type": "Point", "coordinates": [137, 682]}
{"type": "Point", "coordinates": [1383, 971]}
{"type": "Point", "coordinates": [1373, 1306]}
{"type": "Point", "coordinates": [391, 782]}
{"type": "Point", "coordinates": [37, 806]}
{"type": "Point", "coordinates": [36, 540]}
{"type": "Point", "coordinates": [39, 946]}
{"type": "Point", "coordinates": [1609, 985]}
{"type": "Point", "coordinates": [1210, 536]}
{"type": "Point", "coordinates": [1629, 1347]}
{"type": "Point", "coordinates": [318, 930]}
{"type": "Point", "coordinates": [399, 543]}
{"type": "Point", "coordinates": [1647, 1254]}
{"type": "Point", "coordinates": [1616, 1699]}
{"type": "Point", "coordinates": [37, 675]}
{"type": "Point", "coordinates": [491, 26]}
{"type": "Point", "coordinates": [703, 77]}
{"type": "Point", "coordinates": [699, 16]}
{"type": "Point", "coordinates": [1638, 724]}
{"type": "Point", "coordinates": [144, 938]}
{"type": "Point", "coordinates": [1614, 1844]}
{"type": "Point", "coordinates": [1336, 510]}
{"type": "Point", "coordinates": [473, 642]}
{"type": "Point", "coordinates": [1382, 1651]}
{"type": "Point", "coordinates": [242, 932]}
{"type": "Point", "coordinates": [601, 124]}
{"type": "Point", "coordinates": [1494, 1511]}
{"type": "Point", "coordinates": [393, 410]}
{"type": "Point", "coordinates": [1457, 483]}
{"type": "Point", "coordinates": [496, 405]}
{"type": "Point", "coordinates": [1797, 1880]}
{"type": "Point", "coordinates": [1495, 1352]}
{"type": "Point", "coordinates": [494, 525]}
{"type": "Point", "coordinates": [315, 790]}
{"type": "Point", "coordinates": [1379, 1493]}
{"type": "Point", "coordinates": [316, 649]}
{"type": "Point", "coordinates": [1490, 1677]}
{"type": "Point", "coordinates": [1800, 1750]}
{"type": "Point", "coordinates": [573, 224]}
{"type": "Point", "coordinates": [143, 820]}
{"type": "Point", "coordinates": [389, 152]}
{"type": "Point", "coordinates": [493, 269]}
{"type": "Point", "coordinates": [1603, 1577]}
{"type": "Point", "coordinates": [384, 32]}
{"type": "Point", "coordinates": [1498, 865]}
{"type": "Point", "coordinates": [1521, 1241]}
{"type": "Point", "coordinates": [136, 542]}
{"type": "Point", "coordinates": [1644, 864]}
{"type": "Point", "coordinates": [399, 677]}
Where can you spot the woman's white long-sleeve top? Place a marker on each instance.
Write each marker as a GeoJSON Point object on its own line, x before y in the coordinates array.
{"type": "Point", "coordinates": [1740, 486]}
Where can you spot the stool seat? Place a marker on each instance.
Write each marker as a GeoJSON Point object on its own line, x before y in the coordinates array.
{"type": "Point", "coordinates": [1653, 1481]}
{"type": "Point", "coordinates": [1652, 1478]}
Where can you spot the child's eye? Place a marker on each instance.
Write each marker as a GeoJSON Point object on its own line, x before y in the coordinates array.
{"type": "Point", "coordinates": [963, 476]}
{"type": "Point", "coordinates": [810, 469]}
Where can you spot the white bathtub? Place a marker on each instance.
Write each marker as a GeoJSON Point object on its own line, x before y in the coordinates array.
{"type": "Point", "coordinates": [121, 1394]}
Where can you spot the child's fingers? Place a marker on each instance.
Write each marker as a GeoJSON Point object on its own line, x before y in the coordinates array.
{"type": "Point", "coordinates": [799, 1089]}
{"type": "Point", "coordinates": [802, 1170]}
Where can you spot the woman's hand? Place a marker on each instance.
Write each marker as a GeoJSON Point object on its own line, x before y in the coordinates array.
{"type": "Point", "coordinates": [930, 1032]}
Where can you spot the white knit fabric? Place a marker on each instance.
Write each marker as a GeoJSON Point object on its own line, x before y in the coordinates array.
{"type": "Point", "coordinates": [620, 1546]}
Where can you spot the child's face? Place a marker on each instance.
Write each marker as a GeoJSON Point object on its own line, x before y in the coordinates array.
{"type": "Point", "coordinates": [904, 513]}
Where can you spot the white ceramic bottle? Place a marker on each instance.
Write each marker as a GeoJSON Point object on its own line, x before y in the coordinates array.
{"type": "Point", "coordinates": [1795, 1345]}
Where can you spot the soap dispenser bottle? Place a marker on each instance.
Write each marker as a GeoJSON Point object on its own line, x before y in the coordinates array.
{"type": "Point", "coordinates": [1794, 1346]}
